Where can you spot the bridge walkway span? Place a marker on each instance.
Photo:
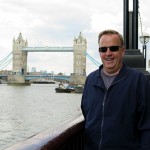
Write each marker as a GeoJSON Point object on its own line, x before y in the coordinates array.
{"type": "Point", "coordinates": [48, 49]}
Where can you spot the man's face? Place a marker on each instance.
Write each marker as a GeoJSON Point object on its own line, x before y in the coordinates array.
{"type": "Point", "coordinates": [112, 61]}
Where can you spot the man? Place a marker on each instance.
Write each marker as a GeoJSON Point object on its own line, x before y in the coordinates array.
{"type": "Point", "coordinates": [116, 101]}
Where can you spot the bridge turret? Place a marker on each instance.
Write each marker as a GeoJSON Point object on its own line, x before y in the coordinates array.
{"type": "Point", "coordinates": [26, 43]}
{"type": "Point", "coordinates": [80, 39]}
{"type": "Point", "coordinates": [14, 40]}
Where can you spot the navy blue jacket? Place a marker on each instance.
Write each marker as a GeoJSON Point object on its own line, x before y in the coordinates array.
{"type": "Point", "coordinates": [117, 118]}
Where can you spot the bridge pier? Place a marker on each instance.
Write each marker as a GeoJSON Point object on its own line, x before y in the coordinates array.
{"type": "Point", "coordinates": [17, 79]}
{"type": "Point", "coordinates": [77, 79]}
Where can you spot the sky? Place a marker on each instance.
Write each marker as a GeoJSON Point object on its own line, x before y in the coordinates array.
{"type": "Point", "coordinates": [56, 23]}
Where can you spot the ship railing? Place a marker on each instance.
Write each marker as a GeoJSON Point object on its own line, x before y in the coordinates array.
{"type": "Point", "coordinates": [69, 135]}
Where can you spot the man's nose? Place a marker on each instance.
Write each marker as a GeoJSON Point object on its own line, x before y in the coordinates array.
{"type": "Point", "coordinates": [108, 52]}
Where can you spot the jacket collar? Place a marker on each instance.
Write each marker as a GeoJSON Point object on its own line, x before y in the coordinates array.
{"type": "Point", "coordinates": [98, 81]}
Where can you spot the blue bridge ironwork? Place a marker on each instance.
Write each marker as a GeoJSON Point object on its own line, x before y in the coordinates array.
{"type": "Point", "coordinates": [54, 77]}
{"type": "Point", "coordinates": [57, 77]}
{"type": "Point", "coordinates": [48, 49]}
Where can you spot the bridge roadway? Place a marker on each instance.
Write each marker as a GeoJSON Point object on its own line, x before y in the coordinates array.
{"type": "Point", "coordinates": [30, 77]}
{"type": "Point", "coordinates": [48, 49]}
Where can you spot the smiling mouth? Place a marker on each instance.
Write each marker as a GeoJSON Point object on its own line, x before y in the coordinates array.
{"type": "Point", "coordinates": [109, 59]}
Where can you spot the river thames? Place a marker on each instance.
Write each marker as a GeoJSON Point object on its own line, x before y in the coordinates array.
{"type": "Point", "coordinates": [28, 110]}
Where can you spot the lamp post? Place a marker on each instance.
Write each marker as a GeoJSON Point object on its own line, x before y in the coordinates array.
{"type": "Point", "coordinates": [144, 39]}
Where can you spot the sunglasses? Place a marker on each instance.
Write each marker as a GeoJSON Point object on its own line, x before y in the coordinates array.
{"type": "Point", "coordinates": [112, 49]}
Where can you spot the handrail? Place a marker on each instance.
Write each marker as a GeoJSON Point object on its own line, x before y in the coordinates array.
{"type": "Point", "coordinates": [56, 138]}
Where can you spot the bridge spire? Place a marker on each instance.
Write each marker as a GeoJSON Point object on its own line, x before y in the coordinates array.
{"type": "Point", "coordinates": [20, 38]}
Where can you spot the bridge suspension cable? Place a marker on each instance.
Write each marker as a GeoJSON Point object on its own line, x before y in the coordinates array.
{"type": "Point", "coordinates": [6, 64]}
{"type": "Point", "coordinates": [92, 59]}
{"type": "Point", "coordinates": [1, 61]}
{"type": "Point", "coordinates": [6, 61]}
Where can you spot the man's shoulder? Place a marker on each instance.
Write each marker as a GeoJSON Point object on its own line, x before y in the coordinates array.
{"type": "Point", "coordinates": [93, 74]}
{"type": "Point", "coordinates": [137, 73]}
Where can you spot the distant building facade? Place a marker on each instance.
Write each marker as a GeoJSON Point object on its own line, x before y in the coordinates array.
{"type": "Point", "coordinates": [33, 69]}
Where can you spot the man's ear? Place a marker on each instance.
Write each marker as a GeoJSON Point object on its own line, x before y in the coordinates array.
{"type": "Point", "coordinates": [123, 51]}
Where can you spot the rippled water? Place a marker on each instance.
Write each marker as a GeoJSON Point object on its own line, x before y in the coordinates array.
{"type": "Point", "coordinates": [27, 110]}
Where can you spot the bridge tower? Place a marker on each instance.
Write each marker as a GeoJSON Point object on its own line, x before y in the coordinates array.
{"type": "Point", "coordinates": [19, 56]}
{"type": "Point", "coordinates": [79, 65]}
{"type": "Point", "coordinates": [19, 62]}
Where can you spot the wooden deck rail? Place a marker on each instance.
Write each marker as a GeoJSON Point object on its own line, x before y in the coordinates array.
{"type": "Point", "coordinates": [68, 135]}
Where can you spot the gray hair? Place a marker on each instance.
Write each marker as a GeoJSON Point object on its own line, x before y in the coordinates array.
{"type": "Point", "coordinates": [109, 31]}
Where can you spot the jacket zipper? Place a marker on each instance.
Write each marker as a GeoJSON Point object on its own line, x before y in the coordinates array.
{"type": "Point", "coordinates": [100, 143]}
{"type": "Point", "coordinates": [103, 108]}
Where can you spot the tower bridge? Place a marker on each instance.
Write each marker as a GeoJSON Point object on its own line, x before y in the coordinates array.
{"type": "Point", "coordinates": [20, 53]}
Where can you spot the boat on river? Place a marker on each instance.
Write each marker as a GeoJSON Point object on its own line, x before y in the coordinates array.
{"type": "Point", "coordinates": [66, 88]}
{"type": "Point", "coordinates": [43, 81]}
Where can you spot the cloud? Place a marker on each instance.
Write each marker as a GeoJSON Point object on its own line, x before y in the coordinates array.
{"type": "Point", "coordinates": [56, 23]}
{"type": "Point", "coordinates": [99, 22]}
